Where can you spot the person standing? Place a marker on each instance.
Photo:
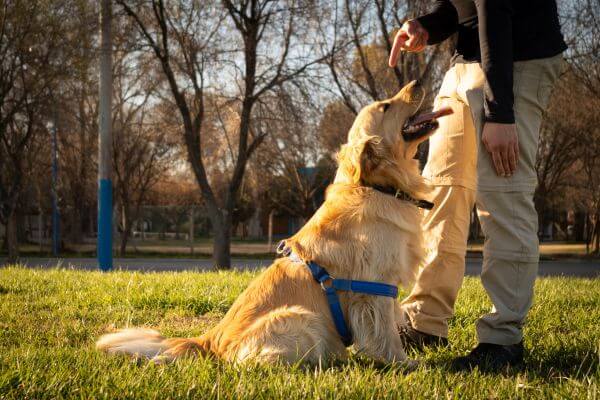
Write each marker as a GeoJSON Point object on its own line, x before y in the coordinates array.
{"type": "Point", "coordinates": [507, 59]}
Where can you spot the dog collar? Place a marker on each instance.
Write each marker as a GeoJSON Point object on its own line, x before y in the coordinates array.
{"type": "Point", "coordinates": [401, 195]}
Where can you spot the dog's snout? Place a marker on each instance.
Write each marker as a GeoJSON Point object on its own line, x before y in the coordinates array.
{"type": "Point", "coordinates": [412, 91]}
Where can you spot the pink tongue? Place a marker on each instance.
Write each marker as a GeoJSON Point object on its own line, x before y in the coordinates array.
{"type": "Point", "coordinates": [442, 112]}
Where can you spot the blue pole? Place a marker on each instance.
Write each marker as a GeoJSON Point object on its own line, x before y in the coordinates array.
{"type": "Point", "coordinates": [105, 260]}
{"type": "Point", "coordinates": [55, 213]}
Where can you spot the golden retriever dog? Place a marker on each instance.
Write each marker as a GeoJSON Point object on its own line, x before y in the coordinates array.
{"type": "Point", "coordinates": [359, 233]}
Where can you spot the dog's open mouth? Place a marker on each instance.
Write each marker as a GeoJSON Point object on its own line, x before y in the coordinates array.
{"type": "Point", "coordinates": [421, 125]}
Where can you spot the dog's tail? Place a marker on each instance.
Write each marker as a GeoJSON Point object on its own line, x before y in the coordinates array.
{"type": "Point", "coordinates": [148, 343]}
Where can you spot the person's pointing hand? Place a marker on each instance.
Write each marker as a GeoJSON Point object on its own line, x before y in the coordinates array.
{"type": "Point", "coordinates": [411, 37]}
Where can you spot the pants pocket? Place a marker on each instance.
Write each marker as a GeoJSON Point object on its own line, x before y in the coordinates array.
{"type": "Point", "coordinates": [451, 158]}
{"type": "Point", "coordinates": [552, 68]}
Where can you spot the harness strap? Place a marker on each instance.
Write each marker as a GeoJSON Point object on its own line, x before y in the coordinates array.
{"type": "Point", "coordinates": [338, 316]}
{"type": "Point", "coordinates": [374, 288]}
{"type": "Point", "coordinates": [331, 286]}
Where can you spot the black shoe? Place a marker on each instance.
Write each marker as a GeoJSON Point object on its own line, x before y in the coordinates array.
{"type": "Point", "coordinates": [418, 340]}
{"type": "Point", "coordinates": [490, 357]}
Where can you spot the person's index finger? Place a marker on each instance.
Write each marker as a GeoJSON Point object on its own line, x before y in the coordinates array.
{"type": "Point", "coordinates": [398, 43]}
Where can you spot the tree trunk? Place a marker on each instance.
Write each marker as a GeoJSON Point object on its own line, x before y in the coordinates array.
{"type": "Point", "coordinates": [124, 239]}
{"type": "Point", "coordinates": [76, 217]}
{"type": "Point", "coordinates": [270, 233]}
{"type": "Point", "coordinates": [596, 248]}
{"type": "Point", "coordinates": [4, 246]}
{"type": "Point", "coordinates": [588, 231]}
{"type": "Point", "coordinates": [192, 230]}
{"type": "Point", "coordinates": [12, 242]}
{"type": "Point", "coordinates": [540, 207]}
{"type": "Point", "coordinates": [126, 232]}
{"type": "Point", "coordinates": [40, 230]}
{"type": "Point", "coordinates": [222, 240]}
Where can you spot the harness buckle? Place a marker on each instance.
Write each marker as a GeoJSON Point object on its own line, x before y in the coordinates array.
{"type": "Point", "coordinates": [330, 283]}
{"type": "Point", "coordinates": [400, 195]}
{"type": "Point", "coordinates": [283, 249]}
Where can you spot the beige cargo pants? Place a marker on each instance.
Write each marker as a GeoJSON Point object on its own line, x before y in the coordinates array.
{"type": "Point", "coordinates": [462, 173]}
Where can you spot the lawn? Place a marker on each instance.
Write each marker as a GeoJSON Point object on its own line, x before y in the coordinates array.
{"type": "Point", "coordinates": [50, 319]}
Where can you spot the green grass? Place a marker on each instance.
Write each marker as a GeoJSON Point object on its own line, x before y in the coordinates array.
{"type": "Point", "coordinates": [50, 319]}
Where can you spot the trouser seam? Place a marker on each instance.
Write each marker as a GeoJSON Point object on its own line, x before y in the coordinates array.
{"type": "Point", "coordinates": [518, 265]}
{"type": "Point", "coordinates": [510, 256]}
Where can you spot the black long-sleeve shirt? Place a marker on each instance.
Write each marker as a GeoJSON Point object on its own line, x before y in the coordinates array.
{"type": "Point", "coordinates": [496, 33]}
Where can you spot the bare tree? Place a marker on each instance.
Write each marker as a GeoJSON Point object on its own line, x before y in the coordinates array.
{"type": "Point", "coordinates": [28, 34]}
{"type": "Point", "coordinates": [185, 47]}
{"type": "Point", "coordinates": [581, 25]}
{"type": "Point", "coordinates": [558, 150]}
{"type": "Point", "coordinates": [291, 168]}
{"type": "Point", "coordinates": [77, 115]}
{"type": "Point", "coordinates": [363, 32]}
{"type": "Point", "coordinates": [591, 172]}
{"type": "Point", "coordinates": [361, 37]}
{"type": "Point", "coordinates": [567, 156]}
{"type": "Point", "coordinates": [141, 158]}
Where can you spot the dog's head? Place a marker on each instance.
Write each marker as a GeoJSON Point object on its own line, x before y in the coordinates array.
{"type": "Point", "coordinates": [383, 140]}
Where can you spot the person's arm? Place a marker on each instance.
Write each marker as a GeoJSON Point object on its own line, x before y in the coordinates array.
{"type": "Point", "coordinates": [499, 134]}
{"type": "Point", "coordinates": [441, 22]}
{"type": "Point", "coordinates": [495, 42]}
{"type": "Point", "coordinates": [416, 34]}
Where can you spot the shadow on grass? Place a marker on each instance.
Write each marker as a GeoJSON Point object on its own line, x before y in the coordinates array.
{"type": "Point", "coordinates": [7, 290]}
{"type": "Point", "coordinates": [574, 362]}
{"type": "Point", "coordinates": [570, 362]}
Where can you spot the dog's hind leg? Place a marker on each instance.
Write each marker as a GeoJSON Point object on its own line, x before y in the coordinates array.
{"type": "Point", "coordinates": [289, 335]}
{"type": "Point", "coordinates": [373, 322]}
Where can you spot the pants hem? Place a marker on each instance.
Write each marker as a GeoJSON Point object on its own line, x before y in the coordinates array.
{"type": "Point", "coordinates": [515, 256]}
{"type": "Point", "coordinates": [427, 329]}
{"type": "Point", "coordinates": [494, 337]}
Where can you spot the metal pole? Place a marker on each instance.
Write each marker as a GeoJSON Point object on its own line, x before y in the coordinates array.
{"type": "Point", "coordinates": [105, 260]}
{"type": "Point", "coordinates": [55, 213]}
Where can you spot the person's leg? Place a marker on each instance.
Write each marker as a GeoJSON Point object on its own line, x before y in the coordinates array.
{"type": "Point", "coordinates": [450, 169]}
{"type": "Point", "coordinates": [431, 301]}
{"type": "Point", "coordinates": [507, 212]}
{"type": "Point", "coordinates": [510, 264]}
{"type": "Point", "coordinates": [509, 220]}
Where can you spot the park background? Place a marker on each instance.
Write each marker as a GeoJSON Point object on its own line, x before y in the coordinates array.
{"type": "Point", "coordinates": [226, 118]}
{"type": "Point", "coordinates": [228, 114]}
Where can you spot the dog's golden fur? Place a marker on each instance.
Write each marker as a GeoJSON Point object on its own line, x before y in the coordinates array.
{"type": "Point", "coordinates": [358, 233]}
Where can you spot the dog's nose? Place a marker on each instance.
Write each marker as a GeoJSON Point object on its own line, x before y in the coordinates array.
{"type": "Point", "coordinates": [417, 83]}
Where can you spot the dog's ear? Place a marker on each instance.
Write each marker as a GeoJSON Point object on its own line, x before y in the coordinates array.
{"type": "Point", "coordinates": [371, 155]}
{"type": "Point", "coordinates": [359, 158]}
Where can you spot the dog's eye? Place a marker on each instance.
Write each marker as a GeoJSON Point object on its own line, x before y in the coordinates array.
{"type": "Point", "coordinates": [384, 106]}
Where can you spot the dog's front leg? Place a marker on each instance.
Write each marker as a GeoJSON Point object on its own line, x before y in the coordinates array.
{"type": "Point", "coordinates": [374, 328]}
{"type": "Point", "coordinates": [400, 317]}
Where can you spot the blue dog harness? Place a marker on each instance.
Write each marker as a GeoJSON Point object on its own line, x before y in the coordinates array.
{"type": "Point", "coordinates": [332, 285]}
